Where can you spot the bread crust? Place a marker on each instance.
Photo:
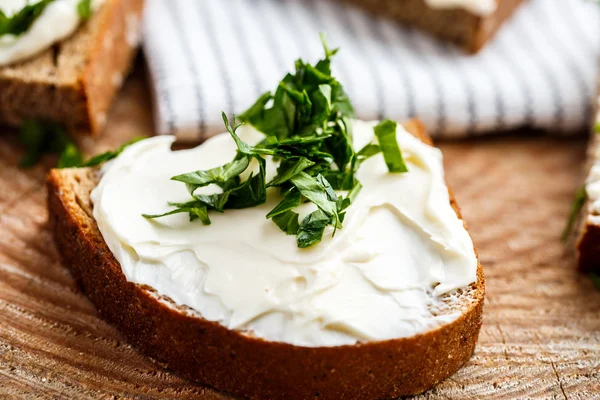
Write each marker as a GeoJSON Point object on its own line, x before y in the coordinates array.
{"type": "Point", "coordinates": [237, 363]}
{"type": "Point", "coordinates": [74, 82]}
{"type": "Point", "coordinates": [466, 30]}
{"type": "Point", "coordinates": [588, 248]}
{"type": "Point", "coordinates": [587, 234]}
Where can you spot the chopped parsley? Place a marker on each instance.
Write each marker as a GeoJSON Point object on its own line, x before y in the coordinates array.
{"type": "Point", "coordinates": [307, 124]}
{"type": "Point", "coordinates": [84, 9]}
{"type": "Point", "coordinates": [98, 159]}
{"type": "Point", "coordinates": [41, 138]}
{"type": "Point", "coordinates": [21, 21]}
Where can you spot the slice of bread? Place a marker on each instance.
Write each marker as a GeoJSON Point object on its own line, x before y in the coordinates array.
{"type": "Point", "coordinates": [466, 30]}
{"type": "Point", "coordinates": [181, 340]}
{"type": "Point", "coordinates": [587, 234]}
{"type": "Point", "coordinates": [73, 82]}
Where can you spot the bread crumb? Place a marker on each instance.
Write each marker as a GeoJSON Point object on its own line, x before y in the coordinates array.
{"type": "Point", "coordinates": [117, 79]}
{"type": "Point", "coordinates": [132, 26]}
{"type": "Point", "coordinates": [101, 119]}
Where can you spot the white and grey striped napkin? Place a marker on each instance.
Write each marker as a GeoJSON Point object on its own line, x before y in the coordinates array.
{"type": "Point", "coordinates": [205, 56]}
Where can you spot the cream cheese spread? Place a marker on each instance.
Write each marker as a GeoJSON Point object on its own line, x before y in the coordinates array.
{"type": "Point", "coordinates": [58, 21]}
{"type": "Point", "coordinates": [401, 247]}
{"type": "Point", "coordinates": [592, 184]}
{"type": "Point", "coordinates": [477, 7]}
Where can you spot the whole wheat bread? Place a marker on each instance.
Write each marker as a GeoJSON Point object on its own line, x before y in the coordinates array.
{"type": "Point", "coordinates": [181, 340]}
{"type": "Point", "coordinates": [466, 30]}
{"type": "Point", "coordinates": [587, 234]}
{"type": "Point", "coordinates": [74, 81]}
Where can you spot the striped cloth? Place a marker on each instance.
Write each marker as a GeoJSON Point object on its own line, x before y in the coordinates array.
{"type": "Point", "coordinates": [205, 56]}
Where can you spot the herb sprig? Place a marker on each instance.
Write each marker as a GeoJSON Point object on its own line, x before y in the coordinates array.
{"type": "Point", "coordinates": [308, 126]}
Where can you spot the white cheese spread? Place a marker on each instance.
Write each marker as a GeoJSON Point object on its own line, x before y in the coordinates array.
{"type": "Point", "coordinates": [478, 7]}
{"type": "Point", "coordinates": [58, 21]}
{"type": "Point", "coordinates": [401, 247]}
{"type": "Point", "coordinates": [592, 184]}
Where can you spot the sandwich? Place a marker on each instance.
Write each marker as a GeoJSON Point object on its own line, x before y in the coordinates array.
{"type": "Point", "coordinates": [301, 254]}
{"type": "Point", "coordinates": [583, 227]}
{"type": "Point", "coordinates": [62, 61]}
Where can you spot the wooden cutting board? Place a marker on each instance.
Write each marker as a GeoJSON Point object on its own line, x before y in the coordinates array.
{"type": "Point", "coordinates": [541, 331]}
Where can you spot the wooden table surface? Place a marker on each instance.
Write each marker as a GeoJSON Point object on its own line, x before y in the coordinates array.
{"type": "Point", "coordinates": [541, 330]}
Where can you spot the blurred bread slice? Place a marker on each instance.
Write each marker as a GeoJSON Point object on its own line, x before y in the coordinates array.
{"type": "Point", "coordinates": [587, 233]}
{"type": "Point", "coordinates": [74, 81]}
{"type": "Point", "coordinates": [461, 27]}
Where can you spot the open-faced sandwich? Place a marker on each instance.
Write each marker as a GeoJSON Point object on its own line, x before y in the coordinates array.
{"type": "Point", "coordinates": [63, 60]}
{"type": "Point", "coordinates": [583, 228]}
{"type": "Point", "coordinates": [469, 24]}
{"type": "Point", "coordinates": [302, 254]}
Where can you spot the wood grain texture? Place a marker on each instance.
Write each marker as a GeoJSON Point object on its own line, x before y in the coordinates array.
{"type": "Point", "coordinates": [541, 331]}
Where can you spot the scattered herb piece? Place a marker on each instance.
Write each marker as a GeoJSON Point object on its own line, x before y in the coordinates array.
{"type": "Point", "coordinates": [70, 157]}
{"type": "Point", "coordinates": [196, 209]}
{"type": "Point", "coordinates": [84, 9]}
{"type": "Point", "coordinates": [102, 157]}
{"type": "Point", "coordinates": [40, 138]}
{"type": "Point", "coordinates": [287, 222]}
{"type": "Point", "coordinates": [578, 203]}
{"type": "Point", "coordinates": [597, 127]}
{"type": "Point", "coordinates": [595, 280]}
{"type": "Point", "coordinates": [307, 122]}
{"type": "Point", "coordinates": [20, 21]}
{"type": "Point", "coordinates": [311, 229]}
{"type": "Point", "coordinates": [386, 134]}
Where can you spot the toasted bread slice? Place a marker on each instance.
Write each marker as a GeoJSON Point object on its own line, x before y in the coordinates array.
{"type": "Point", "coordinates": [74, 82]}
{"type": "Point", "coordinates": [180, 339]}
{"type": "Point", "coordinates": [466, 30]}
{"type": "Point", "coordinates": [587, 234]}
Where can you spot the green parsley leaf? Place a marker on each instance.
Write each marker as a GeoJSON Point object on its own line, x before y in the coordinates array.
{"type": "Point", "coordinates": [243, 147]}
{"type": "Point", "coordinates": [314, 189]}
{"type": "Point", "coordinates": [368, 151]}
{"type": "Point", "coordinates": [349, 199]}
{"type": "Point", "coordinates": [578, 203]}
{"type": "Point", "coordinates": [290, 168]}
{"type": "Point", "coordinates": [289, 202]}
{"type": "Point", "coordinates": [196, 210]}
{"type": "Point", "coordinates": [328, 53]}
{"type": "Point", "coordinates": [40, 138]}
{"type": "Point", "coordinates": [287, 222]}
{"type": "Point", "coordinates": [218, 175]}
{"type": "Point", "coordinates": [84, 9]}
{"type": "Point", "coordinates": [70, 157]}
{"type": "Point", "coordinates": [252, 192]}
{"type": "Point", "coordinates": [107, 156]}
{"type": "Point", "coordinates": [22, 20]}
{"type": "Point", "coordinates": [311, 229]}
{"type": "Point", "coordinates": [386, 135]}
